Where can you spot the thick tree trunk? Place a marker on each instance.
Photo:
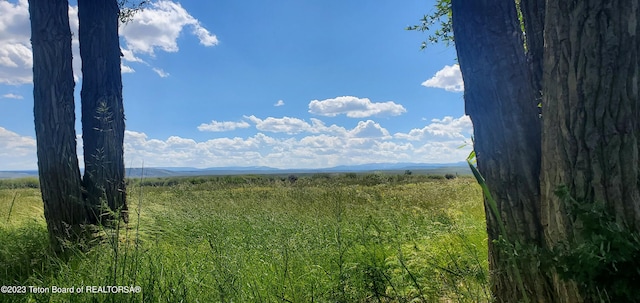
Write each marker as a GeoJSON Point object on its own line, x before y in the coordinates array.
{"type": "Point", "coordinates": [500, 98]}
{"type": "Point", "coordinates": [54, 113]}
{"type": "Point", "coordinates": [102, 106]}
{"type": "Point", "coordinates": [591, 115]}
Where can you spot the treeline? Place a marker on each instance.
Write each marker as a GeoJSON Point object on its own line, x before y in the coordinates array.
{"type": "Point", "coordinates": [27, 182]}
{"type": "Point", "coordinates": [367, 179]}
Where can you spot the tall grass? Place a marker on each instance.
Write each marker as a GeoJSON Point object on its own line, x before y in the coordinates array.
{"type": "Point", "coordinates": [349, 238]}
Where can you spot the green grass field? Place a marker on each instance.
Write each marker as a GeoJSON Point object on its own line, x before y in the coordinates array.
{"type": "Point", "coordinates": [324, 238]}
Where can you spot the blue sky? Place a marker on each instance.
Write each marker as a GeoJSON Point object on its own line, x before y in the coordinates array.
{"type": "Point", "coordinates": [286, 84]}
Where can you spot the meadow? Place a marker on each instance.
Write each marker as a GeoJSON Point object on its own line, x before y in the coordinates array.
{"type": "Point", "coordinates": [320, 238]}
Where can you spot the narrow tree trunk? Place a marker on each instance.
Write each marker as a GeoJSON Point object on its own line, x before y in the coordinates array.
{"type": "Point", "coordinates": [591, 115]}
{"type": "Point", "coordinates": [102, 106]}
{"type": "Point", "coordinates": [54, 113]}
{"type": "Point", "coordinates": [500, 98]}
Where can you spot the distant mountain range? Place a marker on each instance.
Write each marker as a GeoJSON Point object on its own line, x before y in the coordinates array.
{"type": "Point", "coordinates": [156, 172]}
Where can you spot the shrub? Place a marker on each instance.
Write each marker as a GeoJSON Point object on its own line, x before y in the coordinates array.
{"type": "Point", "coordinates": [29, 182]}
{"type": "Point", "coordinates": [373, 179]}
{"type": "Point", "coordinates": [351, 175]}
{"type": "Point", "coordinates": [605, 256]}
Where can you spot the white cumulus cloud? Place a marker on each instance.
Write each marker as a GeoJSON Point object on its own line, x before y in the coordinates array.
{"type": "Point", "coordinates": [279, 103]}
{"type": "Point", "coordinates": [16, 152]}
{"type": "Point", "coordinates": [125, 69]}
{"type": "Point", "coordinates": [448, 78]}
{"type": "Point", "coordinates": [160, 72]}
{"type": "Point", "coordinates": [156, 27]}
{"type": "Point", "coordinates": [298, 144]}
{"type": "Point", "coordinates": [12, 96]}
{"type": "Point", "coordinates": [369, 129]}
{"type": "Point", "coordinates": [441, 129]}
{"type": "Point", "coordinates": [286, 125]}
{"type": "Point", "coordinates": [128, 55]}
{"type": "Point", "coordinates": [159, 26]}
{"type": "Point", "coordinates": [221, 126]}
{"type": "Point", "coordinates": [451, 127]}
{"type": "Point", "coordinates": [292, 126]}
{"type": "Point", "coordinates": [354, 107]}
{"type": "Point", "coordinates": [15, 46]}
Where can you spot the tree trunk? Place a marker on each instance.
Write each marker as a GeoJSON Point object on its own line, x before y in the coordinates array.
{"type": "Point", "coordinates": [54, 113]}
{"type": "Point", "coordinates": [102, 107]}
{"type": "Point", "coordinates": [591, 115]}
{"type": "Point", "coordinates": [500, 97]}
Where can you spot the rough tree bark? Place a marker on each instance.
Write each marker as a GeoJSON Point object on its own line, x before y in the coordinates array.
{"type": "Point", "coordinates": [591, 115]}
{"type": "Point", "coordinates": [500, 98]}
{"type": "Point", "coordinates": [54, 113]}
{"type": "Point", "coordinates": [102, 106]}
{"type": "Point", "coordinates": [589, 82]}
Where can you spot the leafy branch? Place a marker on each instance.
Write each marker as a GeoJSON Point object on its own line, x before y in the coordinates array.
{"type": "Point", "coordinates": [440, 19]}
